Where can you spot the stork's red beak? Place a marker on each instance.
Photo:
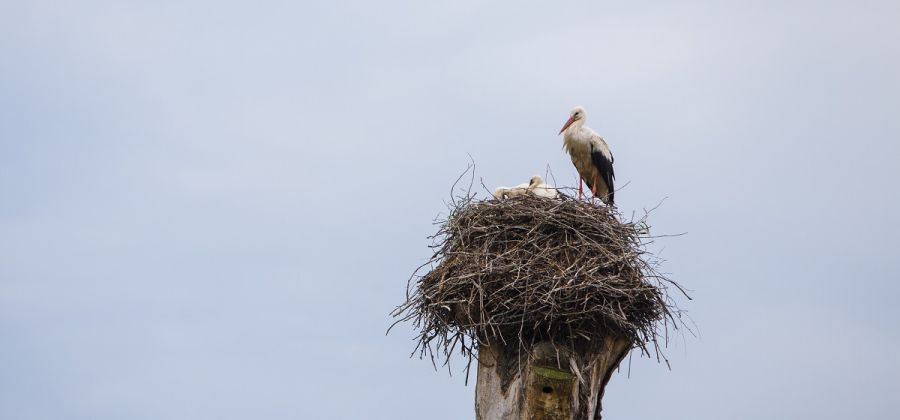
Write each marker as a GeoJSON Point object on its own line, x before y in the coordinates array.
{"type": "Point", "coordinates": [568, 123]}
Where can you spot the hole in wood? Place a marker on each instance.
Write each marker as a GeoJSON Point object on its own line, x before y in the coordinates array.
{"type": "Point", "coordinates": [547, 389]}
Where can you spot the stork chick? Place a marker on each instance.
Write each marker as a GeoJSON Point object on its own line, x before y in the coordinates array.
{"type": "Point", "coordinates": [539, 188]}
{"type": "Point", "coordinates": [535, 186]}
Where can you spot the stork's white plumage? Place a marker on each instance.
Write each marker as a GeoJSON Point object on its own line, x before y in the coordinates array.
{"type": "Point", "coordinates": [591, 156]}
{"type": "Point", "coordinates": [536, 186]}
{"type": "Point", "coordinates": [506, 192]}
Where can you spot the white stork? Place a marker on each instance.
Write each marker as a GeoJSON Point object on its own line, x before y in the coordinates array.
{"type": "Point", "coordinates": [539, 188]}
{"type": "Point", "coordinates": [536, 186]}
{"type": "Point", "coordinates": [506, 192]}
{"type": "Point", "coordinates": [590, 155]}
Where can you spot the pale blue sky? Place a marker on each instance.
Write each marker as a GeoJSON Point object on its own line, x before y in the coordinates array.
{"type": "Point", "coordinates": [207, 208]}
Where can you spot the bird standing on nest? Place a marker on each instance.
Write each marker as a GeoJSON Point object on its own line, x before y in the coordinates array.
{"type": "Point", "coordinates": [590, 155]}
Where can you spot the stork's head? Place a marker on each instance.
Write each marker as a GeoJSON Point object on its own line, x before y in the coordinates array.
{"type": "Point", "coordinates": [535, 181]}
{"type": "Point", "coordinates": [576, 115]}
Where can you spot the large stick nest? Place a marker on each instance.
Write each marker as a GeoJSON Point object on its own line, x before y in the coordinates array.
{"type": "Point", "coordinates": [529, 269]}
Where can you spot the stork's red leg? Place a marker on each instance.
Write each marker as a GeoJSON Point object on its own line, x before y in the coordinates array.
{"type": "Point", "coordinates": [580, 180]}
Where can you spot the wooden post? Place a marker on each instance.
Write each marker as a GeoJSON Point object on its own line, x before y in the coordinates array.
{"type": "Point", "coordinates": [552, 383]}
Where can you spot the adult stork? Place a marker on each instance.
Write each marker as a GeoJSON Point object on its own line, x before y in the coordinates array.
{"type": "Point", "coordinates": [590, 155]}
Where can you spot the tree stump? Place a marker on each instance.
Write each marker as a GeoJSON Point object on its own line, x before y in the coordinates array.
{"type": "Point", "coordinates": [551, 382]}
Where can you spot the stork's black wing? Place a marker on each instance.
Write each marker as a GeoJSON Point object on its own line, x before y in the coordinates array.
{"type": "Point", "coordinates": [605, 168]}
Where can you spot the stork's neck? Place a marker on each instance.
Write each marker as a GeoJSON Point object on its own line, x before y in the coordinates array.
{"type": "Point", "coordinates": [574, 128]}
